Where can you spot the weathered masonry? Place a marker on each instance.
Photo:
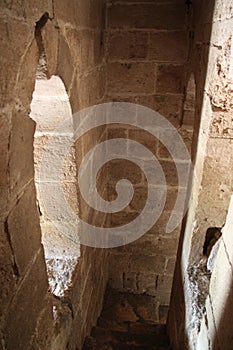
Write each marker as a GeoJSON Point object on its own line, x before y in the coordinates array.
{"type": "Point", "coordinates": [58, 58]}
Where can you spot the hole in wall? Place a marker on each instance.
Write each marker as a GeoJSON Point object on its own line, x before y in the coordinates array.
{"type": "Point", "coordinates": [49, 108]}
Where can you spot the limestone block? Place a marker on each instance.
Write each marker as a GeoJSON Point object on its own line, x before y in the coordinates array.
{"type": "Point", "coordinates": [132, 44]}
{"type": "Point", "coordinates": [159, 227]}
{"type": "Point", "coordinates": [66, 12]}
{"type": "Point", "coordinates": [97, 14]}
{"type": "Point", "coordinates": [170, 78]}
{"type": "Point", "coordinates": [227, 232]}
{"type": "Point", "coordinates": [163, 290]}
{"type": "Point", "coordinates": [27, 76]}
{"type": "Point", "coordinates": [168, 105]}
{"type": "Point", "coordinates": [8, 269]}
{"type": "Point", "coordinates": [5, 126]}
{"type": "Point", "coordinates": [50, 41]}
{"type": "Point", "coordinates": [186, 136]}
{"type": "Point", "coordinates": [15, 35]}
{"type": "Point", "coordinates": [188, 118]}
{"type": "Point", "coordinates": [24, 229]}
{"type": "Point", "coordinates": [146, 283]}
{"type": "Point", "coordinates": [25, 308]}
{"type": "Point", "coordinates": [124, 169]}
{"type": "Point", "coordinates": [142, 263]}
{"type": "Point", "coordinates": [44, 328]}
{"type": "Point", "coordinates": [167, 246]}
{"type": "Point", "coordinates": [157, 16]}
{"type": "Point", "coordinates": [54, 158]}
{"type": "Point", "coordinates": [65, 65]}
{"type": "Point", "coordinates": [21, 152]}
{"type": "Point", "coordinates": [170, 267]}
{"type": "Point", "coordinates": [29, 9]}
{"type": "Point", "coordinates": [168, 46]}
{"type": "Point", "coordinates": [91, 87]}
{"type": "Point", "coordinates": [130, 78]}
{"type": "Point", "coordinates": [144, 138]}
{"type": "Point", "coordinates": [222, 298]}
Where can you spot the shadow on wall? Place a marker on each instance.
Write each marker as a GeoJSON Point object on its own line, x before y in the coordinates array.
{"type": "Point", "coordinates": [200, 34]}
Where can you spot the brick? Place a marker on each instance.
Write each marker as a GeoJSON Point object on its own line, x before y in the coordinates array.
{"type": "Point", "coordinates": [170, 79]}
{"type": "Point", "coordinates": [168, 46]}
{"type": "Point", "coordinates": [133, 45]}
{"type": "Point", "coordinates": [156, 16]}
{"type": "Point", "coordinates": [130, 78]}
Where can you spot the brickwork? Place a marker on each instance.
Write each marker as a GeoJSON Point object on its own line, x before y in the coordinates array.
{"type": "Point", "coordinates": [69, 37]}
{"type": "Point", "coordinates": [147, 53]}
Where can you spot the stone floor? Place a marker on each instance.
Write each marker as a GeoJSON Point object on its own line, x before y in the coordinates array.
{"type": "Point", "coordinates": [127, 322]}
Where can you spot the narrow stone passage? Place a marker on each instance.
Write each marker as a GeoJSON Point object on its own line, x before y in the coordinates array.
{"type": "Point", "coordinates": [127, 323]}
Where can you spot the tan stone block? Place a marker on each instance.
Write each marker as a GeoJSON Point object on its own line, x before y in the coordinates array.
{"type": "Point", "coordinates": [97, 14]}
{"type": "Point", "coordinates": [91, 87]}
{"type": "Point", "coordinates": [124, 169]}
{"type": "Point", "coordinates": [122, 218]}
{"type": "Point", "coordinates": [182, 149]}
{"type": "Point", "coordinates": [16, 35]}
{"type": "Point", "coordinates": [24, 229]}
{"type": "Point", "coordinates": [44, 328]}
{"type": "Point", "coordinates": [50, 40]}
{"type": "Point", "coordinates": [116, 132]}
{"type": "Point", "coordinates": [170, 78]}
{"type": "Point", "coordinates": [139, 198]}
{"type": "Point", "coordinates": [189, 103]}
{"type": "Point", "coordinates": [54, 158]}
{"type": "Point", "coordinates": [126, 45]}
{"type": "Point", "coordinates": [146, 283]}
{"type": "Point", "coordinates": [130, 78]}
{"type": "Point", "coordinates": [25, 308]}
{"type": "Point", "coordinates": [27, 76]}
{"type": "Point", "coordinates": [159, 227]}
{"type": "Point", "coordinates": [163, 290]}
{"type": "Point", "coordinates": [170, 172]}
{"type": "Point", "coordinates": [67, 12]}
{"type": "Point", "coordinates": [5, 127]}
{"type": "Point", "coordinates": [144, 138]}
{"type": "Point", "coordinates": [65, 65]}
{"type": "Point", "coordinates": [147, 244]}
{"type": "Point", "coordinates": [168, 105]}
{"type": "Point", "coordinates": [170, 266]}
{"type": "Point", "coordinates": [157, 16]}
{"type": "Point", "coordinates": [168, 46]}
{"type": "Point", "coordinates": [8, 269]}
{"type": "Point", "coordinates": [167, 246]}
{"type": "Point", "coordinates": [142, 263]}
{"type": "Point", "coordinates": [21, 152]}
{"type": "Point", "coordinates": [188, 118]}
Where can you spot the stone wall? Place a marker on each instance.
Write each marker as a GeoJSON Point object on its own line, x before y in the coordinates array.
{"type": "Point", "coordinates": [66, 39]}
{"type": "Point", "coordinates": [196, 323]}
{"type": "Point", "coordinates": [147, 52]}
